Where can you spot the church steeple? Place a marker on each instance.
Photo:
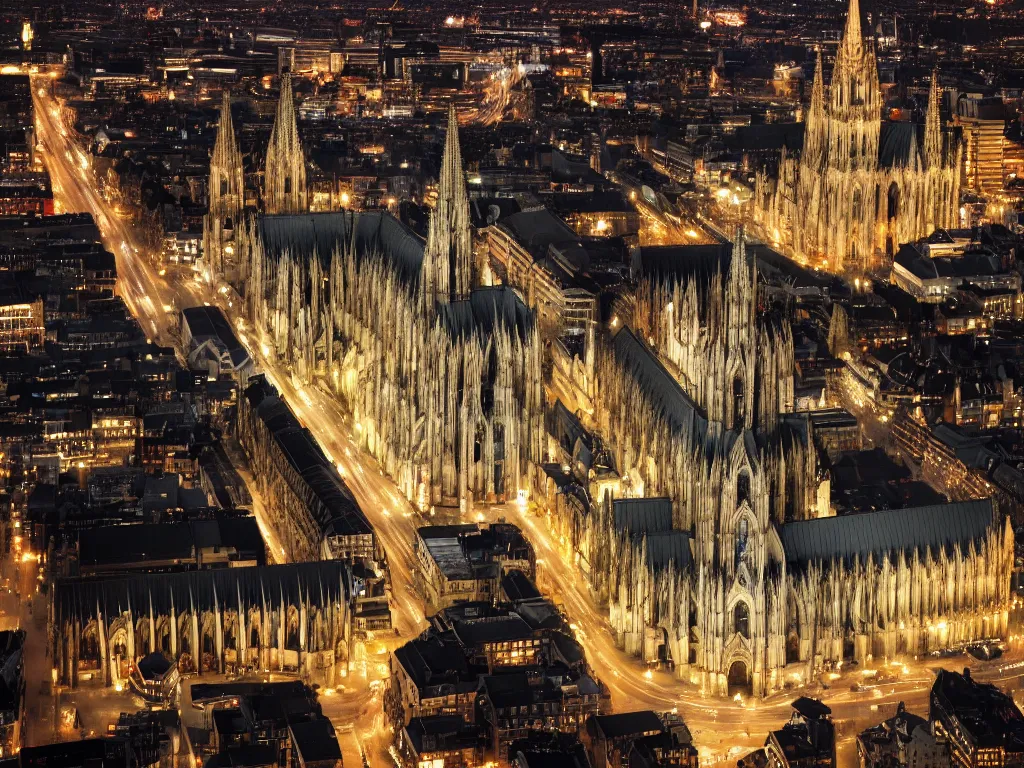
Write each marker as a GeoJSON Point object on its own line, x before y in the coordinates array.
{"type": "Point", "coordinates": [933, 124]}
{"type": "Point", "coordinates": [816, 122]}
{"type": "Point", "coordinates": [855, 90]}
{"type": "Point", "coordinates": [226, 185]}
{"type": "Point", "coordinates": [284, 177]}
{"type": "Point", "coordinates": [853, 36]}
{"type": "Point", "coordinates": [818, 86]}
{"type": "Point", "coordinates": [448, 255]}
{"type": "Point", "coordinates": [226, 192]}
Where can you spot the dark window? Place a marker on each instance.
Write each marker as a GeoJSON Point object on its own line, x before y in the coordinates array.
{"type": "Point", "coordinates": [287, 185]}
{"type": "Point", "coordinates": [742, 537]}
{"type": "Point", "coordinates": [741, 619]}
{"type": "Point", "coordinates": [737, 403]}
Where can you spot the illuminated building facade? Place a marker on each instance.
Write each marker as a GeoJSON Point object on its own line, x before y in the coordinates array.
{"type": "Point", "coordinates": [284, 618]}
{"type": "Point", "coordinates": [21, 325]}
{"type": "Point", "coordinates": [722, 562]}
{"type": "Point", "coordinates": [859, 187]}
{"type": "Point", "coordinates": [444, 380]}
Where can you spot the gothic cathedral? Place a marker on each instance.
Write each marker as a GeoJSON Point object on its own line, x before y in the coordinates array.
{"type": "Point", "coordinates": [860, 186]}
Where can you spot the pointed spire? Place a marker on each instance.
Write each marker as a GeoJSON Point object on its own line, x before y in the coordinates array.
{"type": "Point", "coordinates": [448, 254]}
{"type": "Point", "coordinates": [452, 184]}
{"type": "Point", "coordinates": [818, 86]}
{"type": "Point", "coordinates": [853, 36]}
{"type": "Point", "coordinates": [284, 179]}
{"type": "Point", "coordinates": [225, 149]}
{"type": "Point", "coordinates": [933, 123]}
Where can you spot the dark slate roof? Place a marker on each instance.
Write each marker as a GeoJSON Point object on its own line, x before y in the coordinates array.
{"type": "Point", "coordinates": [766, 137]}
{"type": "Point", "coordinates": [682, 262]}
{"type": "Point", "coordinates": [624, 724]}
{"type": "Point", "coordinates": [315, 740]}
{"type": "Point", "coordinates": [135, 544]}
{"type": "Point", "coordinates": [538, 229]}
{"type": "Point", "coordinates": [434, 661]}
{"type": "Point", "coordinates": [320, 582]}
{"type": "Point", "coordinates": [485, 310]}
{"type": "Point", "coordinates": [517, 586]}
{"type": "Point", "coordinates": [492, 630]}
{"type": "Point", "coordinates": [666, 548]}
{"type": "Point", "coordinates": [898, 144]}
{"type": "Point", "coordinates": [337, 512]}
{"type": "Point", "coordinates": [210, 322]}
{"type": "Point", "coordinates": [637, 516]}
{"type": "Point", "coordinates": [376, 232]}
{"type": "Point", "coordinates": [850, 536]}
{"type": "Point", "coordinates": [657, 384]}
{"type": "Point", "coordinates": [443, 732]}
{"type": "Point", "coordinates": [811, 708]}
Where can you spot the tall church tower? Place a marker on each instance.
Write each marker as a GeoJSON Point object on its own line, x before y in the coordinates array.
{"type": "Point", "coordinates": [284, 177]}
{"type": "Point", "coordinates": [447, 272]}
{"type": "Point", "coordinates": [856, 108]}
{"type": "Point", "coordinates": [226, 194]}
{"type": "Point", "coordinates": [847, 219]}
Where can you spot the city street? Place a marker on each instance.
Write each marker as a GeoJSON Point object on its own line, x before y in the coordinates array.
{"type": "Point", "coordinates": [723, 729]}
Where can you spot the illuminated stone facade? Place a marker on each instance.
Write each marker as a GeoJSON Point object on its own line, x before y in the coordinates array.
{"type": "Point", "coordinates": [294, 618]}
{"type": "Point", "coordinates": [721, 562]}
{"type": "Point", "coordinates": [284, 176]}
{"type": "Point", "coordinates": [859, 187]}
{"type": "Point", "coordinates": [226, 193]}
{"type": "Point", "coordinates": [443, 380]}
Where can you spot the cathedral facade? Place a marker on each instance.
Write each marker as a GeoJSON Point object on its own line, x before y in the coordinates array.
{"type": "Point", "coordinates": [859, 186]}
{"type": "Point", "coordinates": [443, 379]}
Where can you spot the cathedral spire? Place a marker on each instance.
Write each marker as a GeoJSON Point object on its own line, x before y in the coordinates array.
{"type": "Point", "coordinates": [933, 124]}
{"type": "Point", "coordinates": [853, 36]}
{"type": "Point", "coordinates": [284, 178]}
{"type": "Point", "coordinates": [226, 194]}
{"type": "Point", "coordinates": [225, 149]}
{"type": "Point", "coordinates": [448, 255]}
{"type": "Point", "coordinates": [452, 185]}
{"type": "Point", "coordinates": [818, 87]}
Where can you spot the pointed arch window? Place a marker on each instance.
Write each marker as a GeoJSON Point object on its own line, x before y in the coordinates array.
{"type": "Point", "coordinates": [737, 403]}
{"type": "Point", "coordinates": [741, 619]}
{"type": "Point", "coordinates": [742, 539]}
{"type": "Point", "coordinates": [287, 185]}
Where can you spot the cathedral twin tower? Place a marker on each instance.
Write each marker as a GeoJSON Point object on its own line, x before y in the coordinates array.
{"type": "Point", "coordinates": [284, 181]}
{"type": "Point", "coordinates": [859, 187]}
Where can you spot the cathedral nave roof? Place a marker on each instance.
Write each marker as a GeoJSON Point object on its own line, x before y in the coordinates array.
{"type": "Point", "coordinates": [846, 537]}
{"type": "Point", "coordinates": [660, 387]}
{"type": "Point", "coordinates": [485, 310]}
{"type": "Point", "coordinates": [682, 262]}
{"type": "Point", "coordinates": [667, 548]}
{"type": "Point", "coordinates": [376, 232]}
{"type": "Point", "coordinates": [640, 516]}
{"type": "Point", "coordinates": [898, 144]}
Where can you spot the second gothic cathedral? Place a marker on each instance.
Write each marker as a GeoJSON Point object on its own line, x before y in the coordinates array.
{"type": "Point", "coordinates": [859, 186]}
{"type": "Point", "coordinates": [443, 380]}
